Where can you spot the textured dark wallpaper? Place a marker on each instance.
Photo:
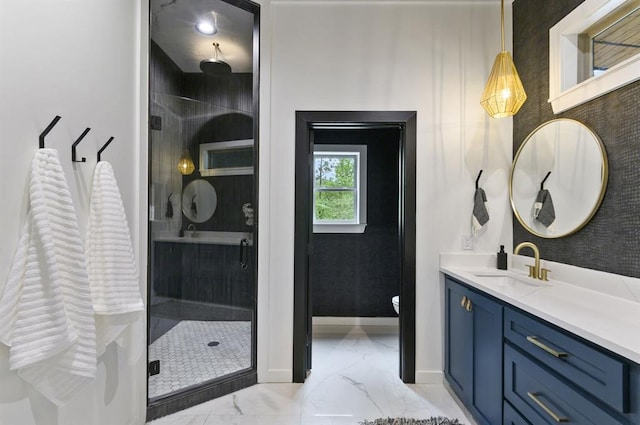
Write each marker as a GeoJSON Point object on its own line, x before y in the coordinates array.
{"type": "Point", "coordinates": [611, 240]}
{"type": "Point", "coordinates": [356, 275]}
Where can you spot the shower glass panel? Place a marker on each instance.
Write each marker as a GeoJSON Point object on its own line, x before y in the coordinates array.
{"type": "Point", "coordinates": [202, 292]}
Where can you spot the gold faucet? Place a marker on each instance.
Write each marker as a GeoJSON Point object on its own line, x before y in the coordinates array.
{"type": "Point", "coordinates": [534, 271]}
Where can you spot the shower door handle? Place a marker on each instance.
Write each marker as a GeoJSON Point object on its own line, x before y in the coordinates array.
{"type": "Point", "coordinates": [244, 244]}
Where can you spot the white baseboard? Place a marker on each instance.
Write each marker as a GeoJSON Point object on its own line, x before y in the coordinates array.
{"type": "Point", "coordinates": [365, 325]}
{"type": "Point", "coordinates": [429, 377]}
{"type": "Point", "coordinates": [275, 376]}
{"type": "Point", "coordinates": [355, 321]}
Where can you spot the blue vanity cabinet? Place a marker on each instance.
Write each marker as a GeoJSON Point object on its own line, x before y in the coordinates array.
{"type": "Point", "coordinates": [473, 350]}
{"type": "Point", "coordinates": [552, 376]}
{"type": "Point", "coordinates": [512, 417]}
{"type": "Point", "coordinates": [511, 367]}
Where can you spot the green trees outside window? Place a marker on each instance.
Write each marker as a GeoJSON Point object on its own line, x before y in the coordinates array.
{"type": "Point", "coordinates": [335, 187]}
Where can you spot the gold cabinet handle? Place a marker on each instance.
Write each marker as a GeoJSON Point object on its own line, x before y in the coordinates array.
{"type": "Point", "coordinates": [534, 340]}
{"type": "Point", "coordinates": [468, 305]}
{"type": "Point", "coordinates": [463, 302]}
{"type": "Point", "coordinates": [534, 397]}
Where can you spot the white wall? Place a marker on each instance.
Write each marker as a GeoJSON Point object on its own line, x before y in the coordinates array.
{"type": "Point", "coordinates": [429, 56]}
{"type": "Point", "coordinates": [80, 59]}
{"type": "Point", "coordinates": [86, 61]}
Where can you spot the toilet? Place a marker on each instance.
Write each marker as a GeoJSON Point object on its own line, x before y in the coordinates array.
{"type": "Point", "coordinates": [396, 303]}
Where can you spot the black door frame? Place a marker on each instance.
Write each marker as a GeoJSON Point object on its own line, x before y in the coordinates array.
{"type": "Point", "coordinates": [306, 123]}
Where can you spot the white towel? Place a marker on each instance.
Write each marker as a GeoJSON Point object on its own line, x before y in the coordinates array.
{"type": "Point", "coordinates": [113, 273]}
{"type": "Point", "coordinates": [47, 317]}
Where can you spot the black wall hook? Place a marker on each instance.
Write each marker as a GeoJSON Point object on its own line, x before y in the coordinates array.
{"type": "Point", "coordinates": [104, 147]}
{"type": "Point", "coordinates": [544, 180]}
{"type": "Point", "coordinates": [47, 130]}
{"type": "Point", "coordinates": [478, 178]}
{"type": "Point", "coordinates": [73, 147]}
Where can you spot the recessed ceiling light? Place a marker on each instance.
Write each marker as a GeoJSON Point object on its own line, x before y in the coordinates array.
{"type": "Point", "coordinates": [206, 28]}
{"type": "Point", "coordinates": [208, 25]}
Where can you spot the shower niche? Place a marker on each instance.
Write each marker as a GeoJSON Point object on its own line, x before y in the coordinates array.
{"type": "Point", "coordinates": [203, 98]}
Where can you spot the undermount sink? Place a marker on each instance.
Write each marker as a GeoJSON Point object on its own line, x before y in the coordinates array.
{"type": "Point", "coordinates": [511, 280]}
{"type": "Point", "coordinates": [489, 273]}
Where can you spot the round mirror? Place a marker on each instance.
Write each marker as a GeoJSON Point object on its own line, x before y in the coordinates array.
{"type": "Point", "coordinates": [558, 178]}
{"type": "Point", "coordinates": [199, 201]}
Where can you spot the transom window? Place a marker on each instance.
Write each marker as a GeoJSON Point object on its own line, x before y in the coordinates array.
{"type": "Point", "coordinates": [339, 188]}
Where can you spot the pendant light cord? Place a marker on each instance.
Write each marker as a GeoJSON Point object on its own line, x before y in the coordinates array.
{"type": "Point", "coordinates": [502, 22]}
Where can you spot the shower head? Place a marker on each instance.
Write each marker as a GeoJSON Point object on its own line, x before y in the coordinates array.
{"type": "Point", "coordinates": [215, 67]}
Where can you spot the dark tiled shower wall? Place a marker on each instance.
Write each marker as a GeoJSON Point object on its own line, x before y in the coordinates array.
{"type": "Point", "coordinates": [234, 93]}
{"type": "Point", "coordinates": [232, 193]}
{"type": "Point", "coordinates": [356, 275]}
{"type": "Point", "coordinates": [164, 74]}
{"type": "Point", "coordinates": [206, 273]}
{"type": "Point", "coordinates": [611, 240]}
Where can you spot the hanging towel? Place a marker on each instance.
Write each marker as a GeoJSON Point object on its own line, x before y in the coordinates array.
{"type": "Point", "coordinates": [543, 210]}
{"type": "Point", "coordinates": [480, 213]}
{"type": "Point", "coordinates": [113, 274]}
{"type": "Point", "coordinates": [169, 211]}
{"type": "Point", "coordinates": [47, 317]}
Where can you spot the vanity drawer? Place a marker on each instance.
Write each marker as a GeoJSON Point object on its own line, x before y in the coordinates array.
{"type": "Point", "coordinates": [512, 417]}
{"type": "Point", "coordinates": [544, 399]}
{"type": "Point", "coordinates": [590, 369]}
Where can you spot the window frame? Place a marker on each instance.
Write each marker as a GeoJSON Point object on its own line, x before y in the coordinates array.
{"type": "Point", "coordinates": [207, 170]}
{"type": "Point", "coordinates": [568, 63]}
{"type": "Point", "coordinates": [338, 226]}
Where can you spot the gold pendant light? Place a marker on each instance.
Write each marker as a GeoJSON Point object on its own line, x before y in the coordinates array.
{"type": "Point", "coordinates": [185, 163]}
{"type": "Point", "coordinates": [504, 94]}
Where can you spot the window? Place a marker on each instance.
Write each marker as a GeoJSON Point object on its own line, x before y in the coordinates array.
{"type": "Point", "coordinates": [339, 188]}
{"type": "Point", "coordinates": [572, 43]}
{"type": "Point", "coordinates": [226, 158]}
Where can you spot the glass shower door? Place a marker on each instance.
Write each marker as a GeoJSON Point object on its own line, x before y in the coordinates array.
{"type": "Point", "coordinates": [202, 283]}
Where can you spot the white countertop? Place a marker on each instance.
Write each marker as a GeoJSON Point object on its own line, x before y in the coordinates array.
{"type": "Point", "coordinates": [606, 320]}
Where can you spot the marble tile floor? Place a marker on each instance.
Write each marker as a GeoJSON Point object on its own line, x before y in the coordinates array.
{"type": "Point", "coordinates": [354, 377]}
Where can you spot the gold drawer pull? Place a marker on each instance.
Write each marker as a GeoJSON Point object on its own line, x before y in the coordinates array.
{"type": "Point", "coordinates": [463, 302]}
{"type": "Point", "coordinates": [533, 396]}
{"type": "Point", "coordinates": [534, 340]}
{"type": "Point", "coordinates": [469, 305]}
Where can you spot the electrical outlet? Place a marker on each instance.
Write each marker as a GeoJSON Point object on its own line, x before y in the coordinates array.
{"type": "Point", "coordinates": [467, 242]}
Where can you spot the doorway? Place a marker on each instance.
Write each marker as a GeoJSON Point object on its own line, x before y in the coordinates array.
{"type": "Point", "coordinates": [308, 123]}
{"type": "Point", "coordinates": [203, 216]}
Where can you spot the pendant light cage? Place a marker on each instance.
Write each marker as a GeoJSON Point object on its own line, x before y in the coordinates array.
{"type": "Point", "coordinates": [504, 93]}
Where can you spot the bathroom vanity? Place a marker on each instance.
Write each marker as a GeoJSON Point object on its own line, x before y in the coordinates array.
{"type": "Point", "coordinates": [521, 351]}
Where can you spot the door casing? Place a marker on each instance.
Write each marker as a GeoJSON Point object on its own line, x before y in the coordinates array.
{"type": "Point", "coordinates": [306, 123]}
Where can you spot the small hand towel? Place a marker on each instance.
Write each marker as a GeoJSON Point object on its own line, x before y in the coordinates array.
{"type": "Point", "coordinates": [169, 211]}
{"type": "Point", "coordinates": [480, 213]}
{"type": "Point", "coordinates": [543, 210]}
{"type": "Point", "coordinates": [113, 274]}
{"type": "Point", "coordinates": [47, 316]}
